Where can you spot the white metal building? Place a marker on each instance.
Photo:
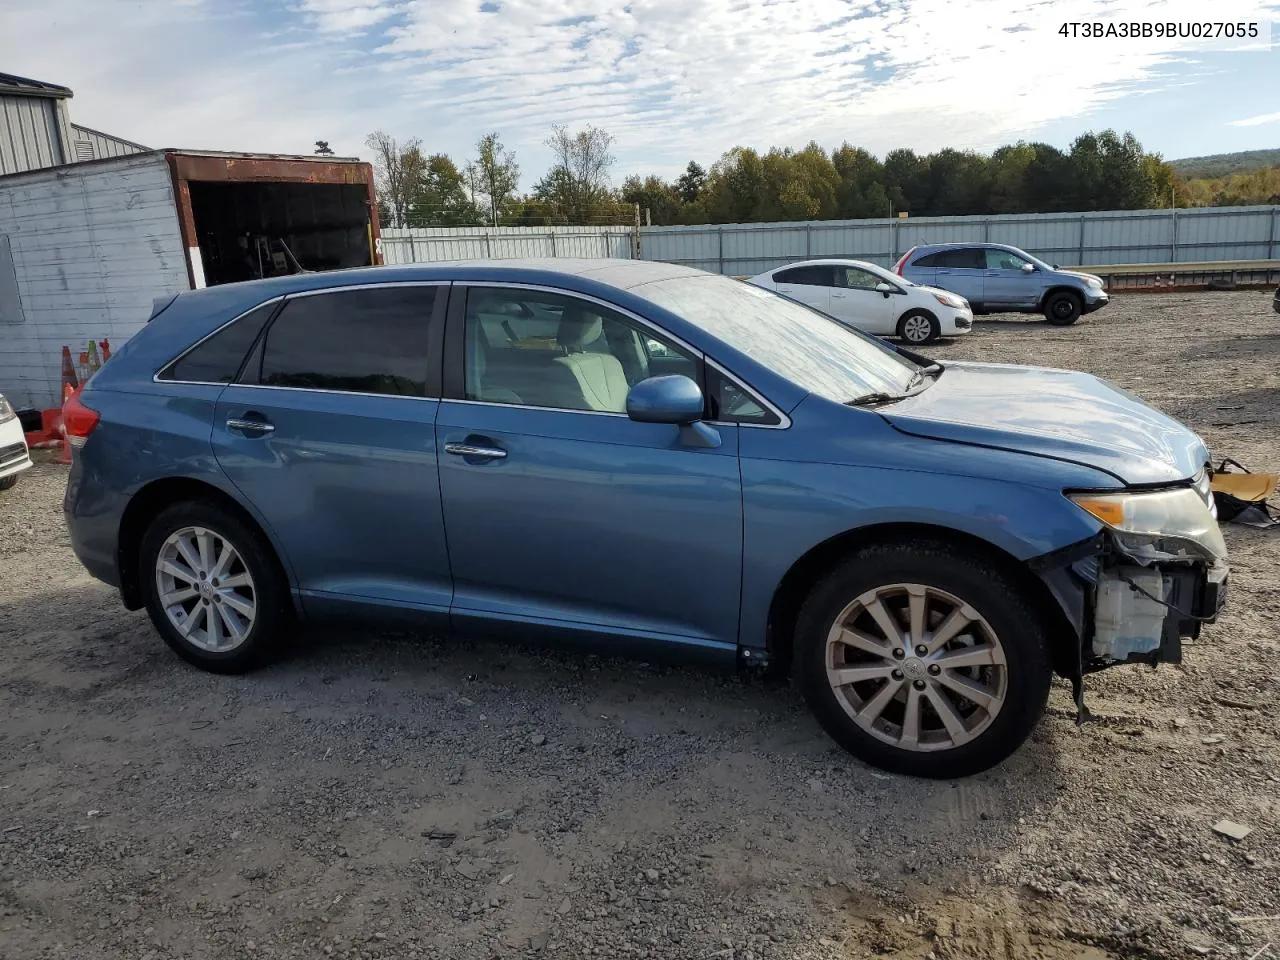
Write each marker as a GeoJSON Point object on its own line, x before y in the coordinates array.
{"type": "Point", "coordinates": [36, 129]}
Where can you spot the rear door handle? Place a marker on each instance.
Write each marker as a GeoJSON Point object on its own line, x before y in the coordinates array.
{"type": "Point", "coordinates": [250, 426]}
{"type": "Point", "coordinates": [474, 451]}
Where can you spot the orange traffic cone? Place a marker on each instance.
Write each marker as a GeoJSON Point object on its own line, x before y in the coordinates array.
{"type": "Point", "coordinates": [69, 378]}
{"type": "Point", "coordinates": [106, 350]}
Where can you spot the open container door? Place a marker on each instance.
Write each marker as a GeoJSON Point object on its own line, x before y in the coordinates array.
{"type": "Point", "coordinates": [245, 217]}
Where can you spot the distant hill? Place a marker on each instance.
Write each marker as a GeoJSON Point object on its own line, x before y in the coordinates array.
{"type": "Point", "coordinates": [1222, 164]}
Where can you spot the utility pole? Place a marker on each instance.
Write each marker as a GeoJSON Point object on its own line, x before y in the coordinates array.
{"type": "Point", "coordinates": [635, 235]}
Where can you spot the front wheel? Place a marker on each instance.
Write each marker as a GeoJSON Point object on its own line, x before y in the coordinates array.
{"type": "Point", "coordinates": [1063, 309]}
{"type": "Point", "coordinates": [920, 659]}
{"type": "Point", "coordinates": [212, 587]}
{"type": "Point", "coordinates": [918, 327]}
{"type": "Point", "coordinates": [7, 483]}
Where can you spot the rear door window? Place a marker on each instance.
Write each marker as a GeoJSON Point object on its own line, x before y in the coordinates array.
{"type": "Point", "coordinates": [819, 275]}
{"type": "Point", "coordinates": [930, 260]}
{"type": "Point", "coordinates": [965, 258]}
{"type": "Point", "coordinates": [373, 340]}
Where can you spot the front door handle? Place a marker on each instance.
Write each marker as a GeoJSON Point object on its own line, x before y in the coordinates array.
{"type": "Point", "coordinates": [472, 451]}
{"type": "Point", "coordinates": [250, 426]}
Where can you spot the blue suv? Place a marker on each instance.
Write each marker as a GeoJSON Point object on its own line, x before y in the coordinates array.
{"type": "Point", "coordinates": [642, 456]}
{"type": "Point", "coordinates": [996, 278]}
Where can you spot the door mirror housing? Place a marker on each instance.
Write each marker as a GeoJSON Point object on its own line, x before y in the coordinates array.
{"type": "Point", "coordinates": [667, 399]}
{"type": "Point", "coordinates": [884, 288]}
{"type": "Point", "coordinates": [1028, 268]}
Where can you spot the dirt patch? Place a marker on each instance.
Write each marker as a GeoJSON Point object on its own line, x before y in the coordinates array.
{"type": "Point", "coordinates": [405, 797]}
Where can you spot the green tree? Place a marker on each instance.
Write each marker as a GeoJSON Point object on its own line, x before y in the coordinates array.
{"type": "Point", "coordinates": [691, 182]}
{"type": "Point", "coordinates": [441, 198]}
{"type": "Point", "coordinates": [655, 195]}
{"type": "Point", "coordinates": [735, 187]}
{"type": "Point", "coordinates": [495, 175]}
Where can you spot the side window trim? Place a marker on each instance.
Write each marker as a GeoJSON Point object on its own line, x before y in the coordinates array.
{"type": "Point", "coordinates": [435, 337]}
{"type": "Point", "coordinates": [158, 376]}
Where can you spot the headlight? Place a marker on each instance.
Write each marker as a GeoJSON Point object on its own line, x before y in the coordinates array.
{"type": "Point", "coordinates": [1094, 282]}
{"type": "Point", "coordinates": [1173, 521]}
{"type": "Point", "coordinates": [6, 410]}
{"type": "Point", "coordinates": [947, 300]}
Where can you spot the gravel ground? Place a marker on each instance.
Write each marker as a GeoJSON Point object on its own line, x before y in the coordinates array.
{"type": "Point", "coordinates": [402, 797]}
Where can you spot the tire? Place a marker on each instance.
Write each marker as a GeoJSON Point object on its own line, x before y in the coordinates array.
{"type": "Point", "coordinates": [251, 592]}
{"type": "Point", "coordinates": [1005, 633]}
{"type": "Point", "coordinates": [8, 483]}
{"type": "Point", "coordinates": [918, 326]}
{"type": "Point", "coordinates": [1063, 308]}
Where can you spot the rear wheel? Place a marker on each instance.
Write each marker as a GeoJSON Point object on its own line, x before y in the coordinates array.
{"type": "Point", "coordinates": [1063, 308]}
{"type": "Point", "coordinates": [922, 660]}
{"type": "Point", "coordinates": [212, 587]}
{"type": "Point", "coordinates": [917, 326]}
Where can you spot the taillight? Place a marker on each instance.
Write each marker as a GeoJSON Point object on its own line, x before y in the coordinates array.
{"type": "Point", "coordinates": [78, 420]}
{"type": "Point", "coordinates": [902, 260]}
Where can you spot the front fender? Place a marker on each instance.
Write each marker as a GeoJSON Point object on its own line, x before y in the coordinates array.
{"type": "Point", "coordinates": [790, 508]}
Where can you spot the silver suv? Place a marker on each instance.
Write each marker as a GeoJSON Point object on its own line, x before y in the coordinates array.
{"type": "Point", "coordinates": [996, 278]}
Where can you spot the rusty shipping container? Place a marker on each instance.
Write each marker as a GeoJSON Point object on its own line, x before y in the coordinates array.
{"type": "Point", "coordinates": [86, 247]}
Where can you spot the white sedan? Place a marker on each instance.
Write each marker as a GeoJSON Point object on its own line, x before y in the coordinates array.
{"type": "Point", "coordinates": [13, 446]}
{"type": "Point", "coordinates": [872, 299]}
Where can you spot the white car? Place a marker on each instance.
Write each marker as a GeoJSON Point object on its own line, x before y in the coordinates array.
{"type": "Point", "coordinates": [872, 299]}
{"type": "Point", "coordinates": [14, 457]}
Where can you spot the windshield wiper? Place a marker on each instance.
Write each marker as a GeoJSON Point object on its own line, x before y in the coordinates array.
{"type": "Point", "coordinates": [870, 399]}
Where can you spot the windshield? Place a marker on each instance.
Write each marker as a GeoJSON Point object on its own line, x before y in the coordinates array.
{"type": "Point", "coordinates": [805, 346]}
{"type": "Point", "coordinates": [887, 275]}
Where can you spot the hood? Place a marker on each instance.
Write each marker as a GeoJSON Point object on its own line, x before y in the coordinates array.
{"type": "Point", "coordinates": [1079, 275]}
{"type": "Point", "coordinates": [950, 293]}
{"type": "Point", "coordinates": [1052, 413]}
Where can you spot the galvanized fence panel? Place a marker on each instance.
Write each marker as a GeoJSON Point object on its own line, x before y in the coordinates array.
{"type": "Point", "coordinates": [1077, 239]}
{"type": "Point", "coordinates": [429, 244]}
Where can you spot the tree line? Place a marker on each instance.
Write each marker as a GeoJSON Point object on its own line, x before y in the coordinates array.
{"type": "Point", "coordinates": [1099, 171]}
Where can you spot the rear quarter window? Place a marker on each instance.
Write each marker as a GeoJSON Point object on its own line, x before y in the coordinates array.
{"type": "Point", "coordinates": [218, 358]}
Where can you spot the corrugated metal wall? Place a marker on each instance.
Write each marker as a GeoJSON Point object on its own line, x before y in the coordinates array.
{"type": "Point", "coordinates": [92, 246]}
{"type": "Point", "coordinates": [429, 244]}
{"type": "Point", "coordinates": [1109, 237]}
{"type": "Point", "coordinates": [33, 132]}
{"type": "Point", "coordinates": [94, 145]}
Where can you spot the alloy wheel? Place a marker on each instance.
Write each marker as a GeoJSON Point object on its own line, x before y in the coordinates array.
{"type": "Point", "coordinates": [916, 667]}
{"type": "Point", "coordinates": [206, 589]}
{"type": "Point", "coordinates": [917, 329]}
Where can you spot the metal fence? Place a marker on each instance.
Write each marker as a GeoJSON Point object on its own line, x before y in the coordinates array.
{"type": "Point", "coordinates": [1077, 239]}
{"type": "Point", "coordinates": [427, 244]}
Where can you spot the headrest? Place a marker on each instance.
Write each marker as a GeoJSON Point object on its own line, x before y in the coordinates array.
{"type": "Point", "coordinates": [578, 328]}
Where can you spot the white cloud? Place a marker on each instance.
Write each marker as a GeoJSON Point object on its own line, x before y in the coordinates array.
{"type": "Point", "coordinates": [1256, 121]}
{"type": "Point", "coordinates": [671, 80]}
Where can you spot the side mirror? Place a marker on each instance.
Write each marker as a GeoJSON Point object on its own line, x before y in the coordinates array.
{"type": "Point", "coordinates": [884, 288]}
{"type": "Point", "coordinates": [672, 399]}
{"type": "Point", "coordinates": [1056, 267]}
{"type": "Point", "coordinates": [1028, 268]}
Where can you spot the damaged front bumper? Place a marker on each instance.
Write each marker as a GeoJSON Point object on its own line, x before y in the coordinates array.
{"type": "Point", "coordinates": [1130, 602]}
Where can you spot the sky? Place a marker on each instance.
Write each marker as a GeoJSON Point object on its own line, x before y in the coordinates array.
{"type": "Point", "coordinates": [672, 80]}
